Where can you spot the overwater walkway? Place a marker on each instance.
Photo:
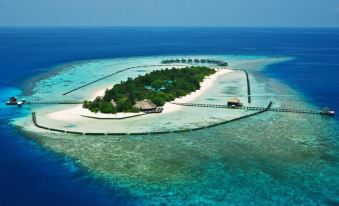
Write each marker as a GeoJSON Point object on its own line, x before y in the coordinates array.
{"type": "Point", "coordinates": [223, 106]}
{"type": "Point", "coordinates": [54, 102]}
{"type": "Point", "coordinates": [253, 108]}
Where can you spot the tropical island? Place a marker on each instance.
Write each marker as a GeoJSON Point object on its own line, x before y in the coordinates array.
{"type": "Point", "coordinates": [153, 89]}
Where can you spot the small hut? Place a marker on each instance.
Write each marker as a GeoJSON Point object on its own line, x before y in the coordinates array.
{"type": "Point", "coordinates": [223, 64]}
{"type": "Point", "coordinates": [145, 105]}
{"type": "Point", "coordinates": [327, 111]}
{"type": "Point", "coordinates": [234, 102]}
{"type": "Point", "coordinates": [12, 101]}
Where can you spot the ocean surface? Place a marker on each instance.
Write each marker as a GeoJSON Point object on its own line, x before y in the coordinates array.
{"type": "Point", "coordinates": [33, 175]}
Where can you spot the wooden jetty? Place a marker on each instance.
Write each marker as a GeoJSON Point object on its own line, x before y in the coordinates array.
{"type": "Point", "coordinates": [327, 112]}
{"type": "Point", "coordinates": [54, 102]}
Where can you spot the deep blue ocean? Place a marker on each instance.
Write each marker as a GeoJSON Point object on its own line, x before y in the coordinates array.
{"type": "Point", "coordinates": [31, 175]}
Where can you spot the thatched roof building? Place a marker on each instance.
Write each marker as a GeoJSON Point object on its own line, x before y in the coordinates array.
{"type": "Point", "coordinates": [233, 101]}
{"type": "Point", "coordinates": [145, 105]}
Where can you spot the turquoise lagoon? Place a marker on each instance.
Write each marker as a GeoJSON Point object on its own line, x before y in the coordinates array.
{"type": "Point", "coordinates": [279, 158]}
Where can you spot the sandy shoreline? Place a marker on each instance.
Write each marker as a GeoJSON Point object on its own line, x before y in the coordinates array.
{"type": "Point", "coordinates": [78, 112]}
{"type": "Point", "coordinates": [213, 90]}
{"type": "Point", "coordinates": [205, 85]}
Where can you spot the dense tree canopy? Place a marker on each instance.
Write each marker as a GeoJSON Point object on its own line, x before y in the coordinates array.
{"type": "Point", "coordinates": [159, 86]}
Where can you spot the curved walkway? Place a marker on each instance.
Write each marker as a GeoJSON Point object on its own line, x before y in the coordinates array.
{"type": "Point", "coordinates": [34, 119]}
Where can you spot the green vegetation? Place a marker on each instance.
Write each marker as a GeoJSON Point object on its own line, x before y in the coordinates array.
{"type": "Point", "coordinates": [159, 86]}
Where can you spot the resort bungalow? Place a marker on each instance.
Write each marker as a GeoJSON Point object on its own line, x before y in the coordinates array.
{"type": "Point", "coordinates": [168, 61]}
{"type": "Point", "coordinates": [145, 105]}
{"type": "Point", "coordinates": [327, 111]}
{"type": "Point", "coordinates": [223, 64]}
{"type": "Point", "coordinates": [12, 101]}
{"type": "Point", "coordinates": [234, 102]}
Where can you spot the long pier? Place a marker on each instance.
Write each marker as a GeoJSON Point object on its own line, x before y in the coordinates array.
{"type": "Point", "coordinates": [222, 106]}
{"type": "Point", "coordinates": [253, 108]}
{"type": "Point", "coordinates": [117, 72]}
{"type": "Point", "coordinates": [54, 102]}
{"type": "Point", "coordinates": [218, 106]}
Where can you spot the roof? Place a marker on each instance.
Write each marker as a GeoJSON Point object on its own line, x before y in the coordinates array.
{"type": "Point", "coordinates": [233, 100]}
{"type": "Point", "coordinates": [327, 109]}
{"type": "Point", "coordinates": [13, 99]}
{"type": "Point", "coordinates": [114, 104]}
{"type": "Point", "coordinates": [145, 104]}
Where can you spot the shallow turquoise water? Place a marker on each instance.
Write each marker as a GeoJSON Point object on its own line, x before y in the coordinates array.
{"type": "Point", "coordinates": [271, 158]}
{"type": "Point", "coordinates": [296, 165]}
{"type": "Point", "coordinates": [79, 73]}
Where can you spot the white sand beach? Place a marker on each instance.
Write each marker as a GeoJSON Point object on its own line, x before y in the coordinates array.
{"type": "Point", "coordinates": [204, 86]}
{"type": "Point", "coordinates": [78, 113]}
{"type": "Point", "coordinates": [215, 89]}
